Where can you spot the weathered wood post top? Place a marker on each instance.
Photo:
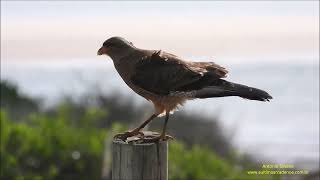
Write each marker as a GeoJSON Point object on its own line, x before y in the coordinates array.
{"type": "Point", "coordinates": [136, 159]}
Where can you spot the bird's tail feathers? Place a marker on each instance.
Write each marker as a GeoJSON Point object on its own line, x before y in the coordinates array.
{"type": "Point", "coordinates": [224, 88]}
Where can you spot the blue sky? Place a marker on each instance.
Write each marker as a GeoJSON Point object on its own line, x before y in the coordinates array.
{"type": "Point", "coordinates": [247, 30]}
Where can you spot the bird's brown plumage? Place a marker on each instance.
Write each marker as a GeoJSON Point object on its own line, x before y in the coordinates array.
{"type": "Point", "coordinates": [168, 81]}
{"type": "Point", "coordinates": [163, 73]}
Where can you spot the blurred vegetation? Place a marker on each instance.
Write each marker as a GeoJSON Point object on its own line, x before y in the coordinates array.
{"type": "Point", "coordinates": [68, 141]}
{"type": "Point", "coordinates": [13, 101]}
{"type": "Point", "coordinates": [50, 148]}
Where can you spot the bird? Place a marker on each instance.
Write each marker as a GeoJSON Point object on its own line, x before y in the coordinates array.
{"type": "Point", "coordinates": [168, 81]}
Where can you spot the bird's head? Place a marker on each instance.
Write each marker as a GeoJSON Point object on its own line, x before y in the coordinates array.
{"type": "Point", "coordinates": [116, 47]}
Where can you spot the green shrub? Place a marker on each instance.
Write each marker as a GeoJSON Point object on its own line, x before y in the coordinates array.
{"type": "Point", "coordinates": [53, 147]}
{"type": "Point", "coordinates": [201, 163]}
{"type": "Point", "coordinates": [50, 148]}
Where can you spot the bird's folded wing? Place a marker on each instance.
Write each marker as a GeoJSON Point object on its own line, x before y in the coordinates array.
{"type": "Point", "coordinates": [163, 73]}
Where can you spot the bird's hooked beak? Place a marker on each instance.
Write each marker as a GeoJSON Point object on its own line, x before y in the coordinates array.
{"type": "Point", "coordinates": [102, 50]}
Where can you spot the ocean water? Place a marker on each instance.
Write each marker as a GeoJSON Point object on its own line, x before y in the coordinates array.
{"type": "Point", "coordinates": [285, 130]}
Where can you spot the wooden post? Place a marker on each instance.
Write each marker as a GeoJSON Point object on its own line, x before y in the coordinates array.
{"type": "Point", "coordinates": [137, 160]}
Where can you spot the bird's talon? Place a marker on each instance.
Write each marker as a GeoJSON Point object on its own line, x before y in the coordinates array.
{"type": "Point", "coordinates": [168, 137]}
{"type": "Point", "coordinates": [121, 136]}
{"type": "Point", "coordinates": [158, 139]}
{"type": "Point", "coordinates": [141, 133]}
{"type": "Point", "coordinates": [124, 136]}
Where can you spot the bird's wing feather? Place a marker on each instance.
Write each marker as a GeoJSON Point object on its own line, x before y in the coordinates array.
{"type": "Point", "coordinates": [162, 73]}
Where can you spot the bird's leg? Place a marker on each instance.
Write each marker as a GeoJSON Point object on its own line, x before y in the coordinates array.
{"type": "Point", "coordinates": [163, 135]}
{"type": "Point", "coordinates": [136, 131]}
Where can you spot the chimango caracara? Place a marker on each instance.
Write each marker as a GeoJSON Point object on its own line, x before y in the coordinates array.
{"type": "Point", "coordinates": [168, 81]}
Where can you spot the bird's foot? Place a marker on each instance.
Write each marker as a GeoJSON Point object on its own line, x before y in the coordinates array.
{"type": "Point", "coordinates": [162, 137]}
{"type": "Point", "coordinates": [124, 136]}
